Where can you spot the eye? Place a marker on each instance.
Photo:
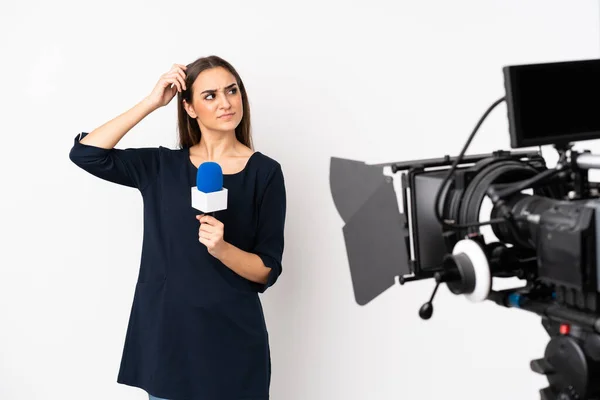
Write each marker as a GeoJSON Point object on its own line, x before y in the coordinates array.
{"type": "Point", "coordinates": [233, 91]}
{"type": "Point", "coordinates": [209, 96]}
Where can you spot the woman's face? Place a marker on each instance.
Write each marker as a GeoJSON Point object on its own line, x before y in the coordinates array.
{"type": "Point", "coordinates": [217, 101]}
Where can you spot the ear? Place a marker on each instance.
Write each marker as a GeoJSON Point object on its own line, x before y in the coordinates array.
{"type": "Point", "coordinates": [189, 109]}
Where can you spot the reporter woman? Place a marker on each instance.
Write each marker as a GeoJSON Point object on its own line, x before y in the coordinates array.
{"type": "Point", "coordinates": [197, 329]}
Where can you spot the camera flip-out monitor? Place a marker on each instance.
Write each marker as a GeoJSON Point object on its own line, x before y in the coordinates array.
{"type": "Point", "coordinates": [553, 103]}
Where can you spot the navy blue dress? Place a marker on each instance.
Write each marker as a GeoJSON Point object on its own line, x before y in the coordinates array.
{"type": "Point", "coordinates": [196, 329]}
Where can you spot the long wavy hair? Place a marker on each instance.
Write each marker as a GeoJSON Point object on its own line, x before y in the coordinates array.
{"type": "Point", "coordinates": [189, 131]}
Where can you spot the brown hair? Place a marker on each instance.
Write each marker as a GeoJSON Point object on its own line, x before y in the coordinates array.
{"type": "Point", "coordinates": [189, 131]}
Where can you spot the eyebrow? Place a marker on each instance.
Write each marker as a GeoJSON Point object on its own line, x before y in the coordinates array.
{"type": "Point", "coordinates": [214, 90]}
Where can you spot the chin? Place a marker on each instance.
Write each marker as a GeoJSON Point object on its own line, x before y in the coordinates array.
{"type": "Point", "coordinates": [228, 125]}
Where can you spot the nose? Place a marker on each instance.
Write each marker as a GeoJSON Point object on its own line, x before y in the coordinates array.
{"type": "Point", "coordinates": [225, 102]}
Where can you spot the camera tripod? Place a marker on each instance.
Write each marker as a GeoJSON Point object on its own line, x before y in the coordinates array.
{"type": "Point", "coordinates": [571, 363]}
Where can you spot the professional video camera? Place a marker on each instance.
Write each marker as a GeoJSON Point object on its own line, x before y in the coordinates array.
{"type": "Point", "coordinates": [545, 220]}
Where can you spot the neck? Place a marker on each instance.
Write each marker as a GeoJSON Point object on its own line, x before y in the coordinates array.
{"type": "Point", "coordinates": [215, 145]}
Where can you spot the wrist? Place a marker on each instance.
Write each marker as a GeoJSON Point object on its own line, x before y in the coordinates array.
{"type": "Point", "coordinates": [225, 251]}
{"type": "Point", "coordinates": [149, 104]}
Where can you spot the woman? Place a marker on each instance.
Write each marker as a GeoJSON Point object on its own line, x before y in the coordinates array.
{"type": "Point", "coordinates": [197, 329]}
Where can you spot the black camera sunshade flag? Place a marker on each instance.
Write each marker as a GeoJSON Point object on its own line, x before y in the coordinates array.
{"type": "Point", "coordinates": [375, 232]}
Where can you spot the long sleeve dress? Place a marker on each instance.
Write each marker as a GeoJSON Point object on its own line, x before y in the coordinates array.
{"type": "Point", "coordinates": [196, 329]}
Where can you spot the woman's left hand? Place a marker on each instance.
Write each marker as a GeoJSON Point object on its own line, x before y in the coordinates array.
{"type": "Point", "coordinates": [210, 234]}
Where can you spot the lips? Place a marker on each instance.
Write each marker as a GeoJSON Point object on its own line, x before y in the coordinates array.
{"type": "Point", "coordinates": [226, 115]}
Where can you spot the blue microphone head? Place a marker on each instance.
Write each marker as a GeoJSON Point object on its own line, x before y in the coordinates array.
{"type": "Point", "coordinates": [209, 177]}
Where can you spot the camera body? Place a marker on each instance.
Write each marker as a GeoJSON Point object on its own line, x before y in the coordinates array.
{"type": "Point", "coordinates": [550, 238]}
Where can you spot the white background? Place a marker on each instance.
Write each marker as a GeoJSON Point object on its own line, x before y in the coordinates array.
{"type": "Point", "coordinates": [346, 79]}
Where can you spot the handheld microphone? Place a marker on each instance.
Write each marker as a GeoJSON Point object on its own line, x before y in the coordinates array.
{"type": "Point", "coordinates": [209, 195]}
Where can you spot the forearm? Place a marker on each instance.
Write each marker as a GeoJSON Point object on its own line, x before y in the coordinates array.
{"type": "Point", "coordinates": [245, 264]}
{"type": "Point", "coordinates": [109, 134]}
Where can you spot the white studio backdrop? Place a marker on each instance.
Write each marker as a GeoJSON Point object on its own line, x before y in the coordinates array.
{"type": "Point", "coordinates": [377, 81]}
